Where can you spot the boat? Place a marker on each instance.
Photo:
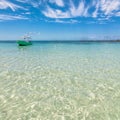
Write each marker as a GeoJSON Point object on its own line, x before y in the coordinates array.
{"type": "Point", "coordinates": [25, 42]}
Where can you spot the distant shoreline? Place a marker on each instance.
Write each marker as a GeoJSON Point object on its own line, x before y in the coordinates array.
{"type": "Point", "coordinates": [64, 41]}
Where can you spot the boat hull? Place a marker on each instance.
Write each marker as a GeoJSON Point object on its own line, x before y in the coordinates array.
{"type": "Point", "coordinates": [24, 43]}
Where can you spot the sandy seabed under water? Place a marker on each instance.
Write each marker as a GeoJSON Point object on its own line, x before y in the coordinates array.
{"type": "Point", "coordinates": [60, 81]}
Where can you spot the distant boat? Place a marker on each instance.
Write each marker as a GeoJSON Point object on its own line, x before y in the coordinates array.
{"type": "Point", "coordinates": [25, 42]}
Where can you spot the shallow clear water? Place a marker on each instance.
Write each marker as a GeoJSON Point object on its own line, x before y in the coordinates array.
{"type": "Point", "coordinates": [60, 81]}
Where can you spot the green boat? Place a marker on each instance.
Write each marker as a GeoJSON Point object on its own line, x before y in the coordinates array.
{"type": "Point", "coordinates": [25, 42]}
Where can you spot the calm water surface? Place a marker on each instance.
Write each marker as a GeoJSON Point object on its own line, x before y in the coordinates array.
{"type": "Point", "coordinates": [60, 81]}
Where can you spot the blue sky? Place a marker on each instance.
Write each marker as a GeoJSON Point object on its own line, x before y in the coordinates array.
{"type": "Point", "coordinates": [60, 19]}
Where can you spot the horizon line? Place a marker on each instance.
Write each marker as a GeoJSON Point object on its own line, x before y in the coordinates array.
{"type": "Point", "coordinates": [118, 40]}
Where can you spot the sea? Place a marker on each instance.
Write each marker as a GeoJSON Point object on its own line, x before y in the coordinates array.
{"type": "Point", "coordinates": [57, 80]}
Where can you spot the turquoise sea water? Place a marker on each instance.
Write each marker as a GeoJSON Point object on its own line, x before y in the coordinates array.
{"type": "Point", "coordinates": [60, 81]}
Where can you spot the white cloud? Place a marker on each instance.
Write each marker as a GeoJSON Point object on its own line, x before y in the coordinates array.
{"type": "Point", "coordinates": [27, 13]}
{"type": "Point", "coordinates": [71, 12]}
{"type": "Point", "coordinates": [95, 13]}
{"type": "Point", "coordinates": [23, 1]}
{"type": "Point", "coordinates": [58, 2]}
{"type": "Point", "coordinates": [69, 21]}
{"type": "Point", "coordinates": [55, 13]}
{"type": "Point", "coordinates": [59, 9]}
{"type": "Point", "coordinates": [4, 4]}
{"type": "Point", "coordinates": [10, 17]}
{"type": "Point", "coordinates": [108, 6]}
{"type": "Point", "coordinates": [118, 14]}
{"type": "Point", "coordinates": [72, 21]}
{"type": "Point", "coordinates": [31, 2]}
{"type": "Point", "coordinates": [78, 11]}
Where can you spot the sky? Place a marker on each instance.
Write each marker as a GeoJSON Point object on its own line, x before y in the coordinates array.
{"type": "Point", "coordinates": [60, 19]}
